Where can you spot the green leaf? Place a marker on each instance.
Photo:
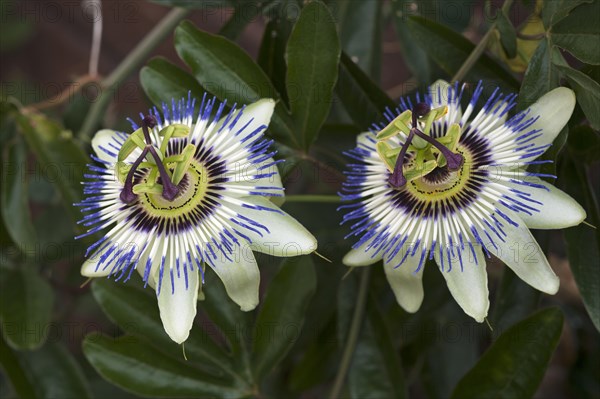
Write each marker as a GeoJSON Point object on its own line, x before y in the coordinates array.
{"type": "Point", "coordinates": [508, 35]}
{"type": "Point", "coordinates": [313, 54]}
{"type": "Point", "coordinates": [584, 144]}
{"type": "Point", "coordinates": [375, 371]}
{"type": "Point", "coordinates": [318, 362]}
{"type": "Point", "coordinates": [588, 93]}
{"type": "Point", "coordinates": [539, 77]}
{"type": "Point", "coordinates": [56, 150]}
{"type": "Point", "coordinates": [583, 259]}
{"type": "Point", "coordinates": [346, 302]}
{"type": "Point", "coordinates": [414, 56]}
{"type": "Point", "coordinates": [455, 15]}
{"type": "Point", "coordinates": [321, 310]}
{"type": "Point", "coordinates": [362, 98]}
{"type": "Point", "coordinates": [13, 199]}
{"type": "Point", "coordinates": [450, 49]}
{"type": "Point", "coordinates": [514, 365]}
{"type": "Point", "coordinates": [163, 81]}
{"type": "Point", "coordinates": [136, 313]}
{"type": "Point", "coordinates": [579, 33]}
{"type": "Point", "coordinates": [555, 10]}
{"type": "Point", "coordinates": [7, 133]}
{"type": "Point", "coordinates": [26, 302]}
{"type": "Point", "coordinates": [271, 56]}
{"type": "Point", "coordinates": [55, 373]}
{"type": "Point", "coordinates": [139, 368]}
{"type": "Point", "coordinates": [228, 317]}
{"type": "Point", "coordinates": [228, 72]}
{"type": "Point", "coordinates": [282, 314]}
{"type": "Point", "coordinates": [438, 379]}
{"type": "Point", "coordinates": [292, 159]}
{"type": "Point", "coordinates": [515, 300]}
{"type": "Point", "coordinates": [14, 372]}
{"type": "Point", "coordinates": [360, 33]}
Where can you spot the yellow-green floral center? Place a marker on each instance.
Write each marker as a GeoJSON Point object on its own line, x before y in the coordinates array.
{"type": "Point", "coordinates": [192, 189]}
{"type": "Point", "coordinates": [430, 166]}
{"type": "Point", "coordinates": [442, 183]}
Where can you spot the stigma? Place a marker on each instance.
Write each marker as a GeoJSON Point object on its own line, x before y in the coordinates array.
{"type": "Point", "coordinates": [155, 162]}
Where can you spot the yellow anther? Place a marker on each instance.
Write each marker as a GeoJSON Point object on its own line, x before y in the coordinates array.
{"type": "Point", "coordinates": [450, 141]}
{"type": "Point", "coordinates": [399, 124]}
{"type": "Point", "coordinates": [135, 140]}
{"type": "Point", "coordinates": [188, 155]}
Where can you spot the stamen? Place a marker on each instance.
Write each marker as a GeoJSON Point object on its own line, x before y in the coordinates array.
{"type": "Point", "coordinates": [397, 178]}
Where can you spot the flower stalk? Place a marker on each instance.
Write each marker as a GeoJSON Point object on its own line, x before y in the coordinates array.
{"type": "Point", "coordinates": [357, 321]}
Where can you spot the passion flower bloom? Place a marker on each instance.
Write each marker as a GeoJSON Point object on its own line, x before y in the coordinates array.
{"type": "Point", "coordinates": [180, 193]}
{"type": "Point", "coordinates": [439, 183]}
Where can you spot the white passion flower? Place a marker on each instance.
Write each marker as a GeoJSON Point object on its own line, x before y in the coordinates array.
{"type": "Point", "coordinates": [180, 193]}
{"type": "Point", "coordinates": [439, 183]}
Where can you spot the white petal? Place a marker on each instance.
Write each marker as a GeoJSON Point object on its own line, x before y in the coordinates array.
{"type": "Point", "coordinates": [141, 268]}
{"type": "Point", "coordinates": [104, 143]}
{"type": "Point", "coordinates": [554, 110]}
{"type": "Point", "coordinates": [177, 302]}
{"type": "Point", "coordinates": [524, 256]}
{"type": "Point", "coordinates": [405, 281]}
{"type": "Point", "coordinates": [468, 285]}
{"type": "Point", "coordinates": [268, 167]}
{"type": "Point", "coordinates": [245, 176]}
{"type": "Point", "coordinates": [240, 275]}
{"type": "Point", "coordinates": [439, 93]}
{"type": "Point", "coordinates": [90, 267]}
{"type": "Point", "coordinates": [361, 256]}
{"type": "Point", "coordinates": [558, 209]}
{"type": "Point", "coordinates": [285, 236]}
{"type": "Point", "coordinates": [366, 138]}
{"type": "Point", "coordinates": [256, 114]}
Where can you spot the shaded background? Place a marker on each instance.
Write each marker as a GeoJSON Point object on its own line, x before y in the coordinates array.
{"type": "Point", "coordinates": [45, 48]}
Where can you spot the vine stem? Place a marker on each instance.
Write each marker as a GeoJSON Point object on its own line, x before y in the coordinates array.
{"type": "Point", "coordinates": [357, 318]}
{"type": "Point", "coordinates": [313, 198]}
{"type": "Point", "coordinates": [14, 371]}
{"type": "Point", "coordinates": [96, 38]}
{"type": "Point", "coordinates": [479, 49]}
{"type": "Point", "coordinates": [127, 66]}
{"type": "Point", "coordinates": [63, 96]}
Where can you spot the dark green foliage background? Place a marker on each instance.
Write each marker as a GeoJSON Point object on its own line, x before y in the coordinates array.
{"type": "Point", "coordinates": [323, 64]}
